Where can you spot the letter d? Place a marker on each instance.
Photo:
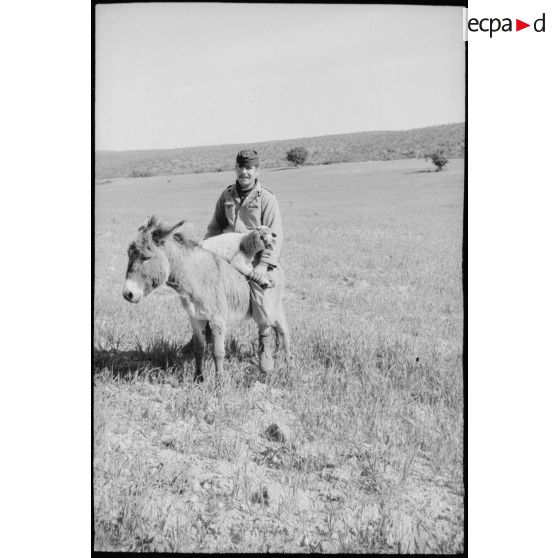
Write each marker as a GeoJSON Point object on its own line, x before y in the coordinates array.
{"type": "Point", "coordinates": [541, 30]}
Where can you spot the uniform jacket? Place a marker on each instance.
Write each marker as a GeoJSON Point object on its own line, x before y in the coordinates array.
{"type": "Point", "coordinates": [259, 207]}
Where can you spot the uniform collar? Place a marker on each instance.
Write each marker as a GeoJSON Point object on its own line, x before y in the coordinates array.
{"type": "Point", "coordinates": [256, 190]}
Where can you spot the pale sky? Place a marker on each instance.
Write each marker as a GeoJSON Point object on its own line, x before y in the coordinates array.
{"type": "Point", "coordinates": [190, 74]}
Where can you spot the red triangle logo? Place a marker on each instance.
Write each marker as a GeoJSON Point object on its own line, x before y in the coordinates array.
{"type": "Point", "coordinates": [519, 25]}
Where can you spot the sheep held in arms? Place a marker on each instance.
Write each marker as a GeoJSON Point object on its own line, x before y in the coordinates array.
{"type": "Point", "coordinates": [210, 288]}
{"type": "Point", "coordinates": [240, 249]}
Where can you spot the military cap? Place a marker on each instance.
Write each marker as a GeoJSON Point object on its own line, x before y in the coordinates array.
{"type": "Point", "coordinates": [248, 158]}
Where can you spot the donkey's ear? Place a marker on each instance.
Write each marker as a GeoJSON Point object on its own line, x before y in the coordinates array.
{"type": "Point", "coordinates": [162, 232]}
{"type": "Point", "coordinates": [149, 222]}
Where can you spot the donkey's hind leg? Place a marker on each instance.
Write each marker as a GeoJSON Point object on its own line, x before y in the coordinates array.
{"type": "Point", "coordinates": [284, 336]}
{"type": "Point", "coordinates": [283, 333]}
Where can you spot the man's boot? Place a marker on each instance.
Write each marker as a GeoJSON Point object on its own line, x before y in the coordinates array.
{"type": "Point", "coordinates": [266, 352]}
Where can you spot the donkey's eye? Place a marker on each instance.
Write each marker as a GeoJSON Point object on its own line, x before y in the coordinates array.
{"type": "Point", "coordinates": [144, 258]}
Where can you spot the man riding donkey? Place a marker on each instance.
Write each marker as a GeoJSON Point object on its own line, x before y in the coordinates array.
{"type": "Point", "coordinates": [243, 206]}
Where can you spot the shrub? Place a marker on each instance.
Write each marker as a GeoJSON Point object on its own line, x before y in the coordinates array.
{"type": "Point", "coordinates": [438, 158]}
{"type": "Point", "coordinates": [297, 156]}
{"type": "Point", "coordinates": [137, 173]}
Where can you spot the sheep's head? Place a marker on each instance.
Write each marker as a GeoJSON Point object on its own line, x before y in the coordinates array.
{"type": "Point", "coordinates": [267, 237]}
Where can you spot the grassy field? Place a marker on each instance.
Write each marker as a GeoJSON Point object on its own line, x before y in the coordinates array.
{"type": "Point", "coordinates": [337, 148]}
{"type": "Point", "coordinates": [359, 446]}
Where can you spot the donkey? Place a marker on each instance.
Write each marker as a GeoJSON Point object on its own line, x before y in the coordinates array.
{"type": "Point", "coordinates": [210, 288]}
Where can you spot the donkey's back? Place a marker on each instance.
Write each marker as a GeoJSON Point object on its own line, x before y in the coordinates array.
{"type": "Point", "coordinates": [210, 288]}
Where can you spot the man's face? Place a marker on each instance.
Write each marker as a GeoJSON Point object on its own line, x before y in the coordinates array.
{"type": "Point", "coordinates": [246, 176]}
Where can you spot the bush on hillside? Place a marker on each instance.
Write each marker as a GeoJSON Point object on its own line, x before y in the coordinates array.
{"type": "Point", "coordinates": [139, 173]}
{"type": "Point", "coordinates": [438, 158]}
{"type": "Point", "coordinates": [297, 156]}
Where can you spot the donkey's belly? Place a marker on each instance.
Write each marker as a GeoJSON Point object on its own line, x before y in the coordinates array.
{"type": "Point", "coordinates": [194, 310]}
{"type": "Point", "coordinates": [236, 313]}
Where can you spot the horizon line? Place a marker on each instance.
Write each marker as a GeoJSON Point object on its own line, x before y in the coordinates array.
{"type": "Point", "coordinates": [274, 140]}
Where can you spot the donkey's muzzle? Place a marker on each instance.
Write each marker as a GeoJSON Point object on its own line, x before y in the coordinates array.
{"type": "Point", "coordinates": [131, 292]}
{"type": "Point", "coordinates": [128, 295]}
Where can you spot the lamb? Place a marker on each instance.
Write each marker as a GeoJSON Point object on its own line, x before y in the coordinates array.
{"type": "Point", "coordinates": [240, 249]}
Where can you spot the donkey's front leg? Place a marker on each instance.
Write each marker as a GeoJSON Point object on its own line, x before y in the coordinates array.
{"type": "Point", "coordinates": [199, 346]}
{"type": "Point", "coordinates": [219, 331]}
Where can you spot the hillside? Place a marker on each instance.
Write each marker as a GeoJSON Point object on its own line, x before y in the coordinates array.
{"type": "Point", "coordinates": [342, 148]}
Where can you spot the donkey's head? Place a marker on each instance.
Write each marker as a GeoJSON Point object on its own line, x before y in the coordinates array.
{"type": "Point", "coordinates": [148, 265]}
{"type": "Point", "coordinates": [267, 236]}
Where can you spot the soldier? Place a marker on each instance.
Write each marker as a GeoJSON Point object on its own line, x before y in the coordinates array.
{"type": "Point", "coordinates": [242, 206]}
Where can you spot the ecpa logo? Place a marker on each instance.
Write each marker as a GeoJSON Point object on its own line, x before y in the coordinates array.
{"type": "Point", "coordinates": [494, 24]}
